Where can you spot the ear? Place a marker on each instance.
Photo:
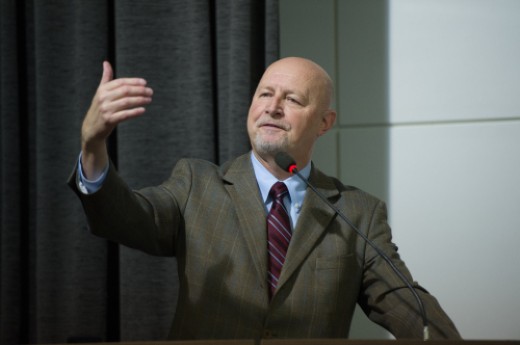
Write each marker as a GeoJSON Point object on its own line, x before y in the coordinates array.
{"type": "Point", "coordinates": [327, 122]}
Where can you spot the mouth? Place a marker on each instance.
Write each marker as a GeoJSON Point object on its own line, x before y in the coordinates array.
{"type": "Point", "coordinates": [271, 126]}
{"type": "Point", "coordinates": [268, 126]}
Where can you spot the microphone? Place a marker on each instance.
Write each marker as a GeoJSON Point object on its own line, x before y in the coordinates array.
{"type": "Point", "coordinates": [287, 163]}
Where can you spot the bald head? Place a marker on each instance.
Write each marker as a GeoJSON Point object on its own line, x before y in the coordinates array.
{"type": "Point", "coordinates": [319, 79]}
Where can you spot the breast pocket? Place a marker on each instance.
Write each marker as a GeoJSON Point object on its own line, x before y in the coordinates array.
{"type": "Point", "coordinates": [335, 262]}
{"type": "Point", "coordinates": [337, 280]}
{"type": "Point", "coordinates": [335, 275]}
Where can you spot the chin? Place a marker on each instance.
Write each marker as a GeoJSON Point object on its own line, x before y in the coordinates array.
{"type": "Point", "coordinates": [269, 147]}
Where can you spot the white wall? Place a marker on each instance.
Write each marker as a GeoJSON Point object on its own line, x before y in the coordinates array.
{"type": "Point", "coordinates": [429, 105]}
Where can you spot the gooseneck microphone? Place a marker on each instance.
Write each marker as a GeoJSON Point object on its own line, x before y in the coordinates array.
{"type": "Point", "coordinates": [287, 163]}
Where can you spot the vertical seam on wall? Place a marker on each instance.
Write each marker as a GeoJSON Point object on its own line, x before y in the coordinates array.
{"type": "Point", "coordinates": [337, 88]}
{"type": "Point", "coordinates": [214, 65]}
{"type": "Point", "coordinates": [24, 178]}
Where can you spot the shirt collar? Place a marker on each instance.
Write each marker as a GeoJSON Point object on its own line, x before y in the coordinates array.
{"type": "Point", "coordinates": [294, 184]}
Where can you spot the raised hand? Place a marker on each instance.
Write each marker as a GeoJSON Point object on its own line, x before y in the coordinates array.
{"type": "Point", "coordinates": [115, 101]}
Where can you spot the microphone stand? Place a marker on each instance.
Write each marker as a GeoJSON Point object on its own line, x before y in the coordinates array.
{"type": "Point", "coordinates": [291, 167]}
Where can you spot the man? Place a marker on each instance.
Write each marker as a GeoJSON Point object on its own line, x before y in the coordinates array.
{"type": "Point", "coordinates": [236, 281]}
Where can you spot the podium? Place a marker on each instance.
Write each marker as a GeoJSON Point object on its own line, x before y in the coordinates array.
{"type": "Point", "coordinates": [385, 342]}
{"type": "Point", "coordinates": [318, 342]}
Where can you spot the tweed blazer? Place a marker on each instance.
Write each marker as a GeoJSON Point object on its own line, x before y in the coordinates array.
{"type": "Point", "coordinates": [212, 218]}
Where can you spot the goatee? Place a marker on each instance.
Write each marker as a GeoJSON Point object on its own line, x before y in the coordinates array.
{"type": "Point", "coordinates": [270, 147]}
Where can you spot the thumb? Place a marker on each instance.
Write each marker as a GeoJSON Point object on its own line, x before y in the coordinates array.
{"type": "Point", "coordinates": [108, 73]}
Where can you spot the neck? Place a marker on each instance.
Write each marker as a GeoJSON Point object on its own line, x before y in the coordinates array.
{"type": "Point", "coordinates": [269, 163]}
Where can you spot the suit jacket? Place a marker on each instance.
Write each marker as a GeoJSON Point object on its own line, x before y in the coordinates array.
{"type": "Point", "coordinates": [214, 221]}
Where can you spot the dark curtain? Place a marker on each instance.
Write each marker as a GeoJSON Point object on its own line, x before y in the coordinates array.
{"type": "Point", "coordinates": [203, 59]}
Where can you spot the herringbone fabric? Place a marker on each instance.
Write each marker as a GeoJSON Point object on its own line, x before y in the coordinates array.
{"type": "Point", "coordinates": [278, 235]}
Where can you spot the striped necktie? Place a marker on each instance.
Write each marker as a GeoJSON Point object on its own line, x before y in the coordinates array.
{"type": "Point", "coordinates": [278, 235]}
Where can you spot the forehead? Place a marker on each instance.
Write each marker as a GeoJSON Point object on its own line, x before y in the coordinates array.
{"type": "Point", "coordinates": [288, 78]}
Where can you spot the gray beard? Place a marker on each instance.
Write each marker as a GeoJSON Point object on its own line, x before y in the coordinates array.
{"type": "Point", "coordinates": [269, 147]}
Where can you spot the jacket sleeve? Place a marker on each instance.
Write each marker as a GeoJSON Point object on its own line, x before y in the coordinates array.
{"type": "Point", "coordinates": [385, 298]}
{"type": "Point", "coordinates": [148, 220]}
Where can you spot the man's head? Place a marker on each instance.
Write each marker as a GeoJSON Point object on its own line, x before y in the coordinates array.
{"type": "Point", "coordinates": [290, 109]}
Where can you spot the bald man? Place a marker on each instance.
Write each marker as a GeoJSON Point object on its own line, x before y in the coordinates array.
{"type": "Point", "coordinates": [214, 220]}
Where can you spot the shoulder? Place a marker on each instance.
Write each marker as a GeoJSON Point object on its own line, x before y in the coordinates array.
{"type": "Point", "coordinates": [195, 163]}
{"type": "Point", "coordinates": [348, 193]}
{"type": "Point", "coordinates": [196, 167]}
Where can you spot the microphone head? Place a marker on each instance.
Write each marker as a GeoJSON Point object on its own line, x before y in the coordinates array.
{"type": "Point", "coordinates": [285, 161]}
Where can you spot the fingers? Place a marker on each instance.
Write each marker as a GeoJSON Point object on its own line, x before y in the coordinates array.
{"type": "Point", "coordinates": [124, 108]}
{"type": "Point", "coordinates": [108, 73]}
{"type": "Point", "coordinates": [123, 97]}
{"type": "Point", "coordinates": [122, 82]}
{"type": "Point", "coordinates": [115, 101]}
{"type": "Point", "coordinates": [123, 88]}
{"type": "Point", "coordinates": [108, 76]}
{"type": "Point", "coordinates": [125, 114]}
{"type": "Point", "coordinates": [108, 82]}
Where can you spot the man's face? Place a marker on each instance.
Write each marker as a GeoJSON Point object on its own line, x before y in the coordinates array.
{"type": "Point", "coordinates": [287, 111]}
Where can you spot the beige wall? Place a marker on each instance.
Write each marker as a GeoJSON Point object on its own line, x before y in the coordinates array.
{"type": "Point", "coordinates": [428, 97]}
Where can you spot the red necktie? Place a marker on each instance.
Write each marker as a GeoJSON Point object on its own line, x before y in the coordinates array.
{"type": "Point", "coordinates": [278, 235]}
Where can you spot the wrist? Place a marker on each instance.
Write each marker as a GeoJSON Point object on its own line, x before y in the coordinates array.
{"type": "Point", "coordinates": [94, 160]}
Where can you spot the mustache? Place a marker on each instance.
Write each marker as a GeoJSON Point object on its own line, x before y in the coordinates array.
{"type": "Point", "coordinates": [270, 122]}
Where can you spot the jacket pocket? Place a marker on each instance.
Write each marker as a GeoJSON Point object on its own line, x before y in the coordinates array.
{"type": "Point", "coordinates": [335, 262]}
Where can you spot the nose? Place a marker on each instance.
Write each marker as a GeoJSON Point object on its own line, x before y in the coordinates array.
{"type": "Point", "coordinates": [274, 107]}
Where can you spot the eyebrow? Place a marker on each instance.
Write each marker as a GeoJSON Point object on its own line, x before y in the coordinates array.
{"type": "Point", "coordinates": [286, 91]}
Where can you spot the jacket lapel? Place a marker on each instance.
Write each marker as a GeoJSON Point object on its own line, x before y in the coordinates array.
{"type": "Point", "coordinates": [312, 223]}
{"type": "Point", "coordinates": [243, 190]}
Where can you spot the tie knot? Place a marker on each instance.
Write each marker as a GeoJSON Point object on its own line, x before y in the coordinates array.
{"type": "Point", "coordinates": [278, 190]}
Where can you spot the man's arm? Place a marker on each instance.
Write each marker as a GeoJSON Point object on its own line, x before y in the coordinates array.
{"type": "Point", "coordinates": [385, 298]}
{"type": "Point", "coordinates": [110, 203]}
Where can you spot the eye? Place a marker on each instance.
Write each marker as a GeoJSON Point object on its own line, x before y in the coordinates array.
{"type": "Point", "coordinates": [264, 94]}
{"type": "Point", "coordinates": [293, 100]}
